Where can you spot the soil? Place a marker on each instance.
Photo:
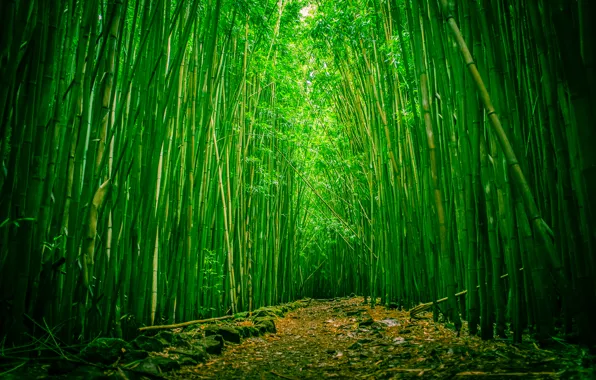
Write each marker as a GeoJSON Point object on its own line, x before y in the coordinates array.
{"type": "Point", "coordinates": [345, 339]}
{"type": "Point", "coordinates": [312, 339]}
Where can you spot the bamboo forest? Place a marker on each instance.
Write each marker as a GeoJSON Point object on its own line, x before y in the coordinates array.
{"type": "Point", "coordinates": [288, 189]}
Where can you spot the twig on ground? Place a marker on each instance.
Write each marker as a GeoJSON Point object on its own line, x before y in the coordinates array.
{"type": "Point", "coordinates": [507, 374]}
{"type": "Point", "coordinates": [282, 376]}
{"type": "Point", "coordinates": [122, 374]}
{"type": "Point", "coordinates": [12, 369]}
{"type": "Point", "coordinates": [409, 369]}
{"type": "Point", "coordinates": [32, 347]}
{"type": "Point", "coordinates": [49, 331]}
{"type": "Point", "coordinates": [184, 324]}
{"type": "Point", "coordinates": [46, 345]}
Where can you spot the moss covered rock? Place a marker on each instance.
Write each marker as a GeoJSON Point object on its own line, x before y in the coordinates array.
{"type": "Point", "coordinates": [167, 336]}
{"type": "Point", "coordinates": [229, 334]}
{"type": "Point", "coordinates": [104, 350]}
{"type": "Point", "coordinates": [265, 325]}
{"type": "Point", "coordinates": [150, 343]}
{"type": "Point", "coordinates": [156, 365]}
{"type": "Point", "coordinates": [134, 355]}
{"type": "Point", "coordinates": [273, 312]}
{"type": "Point", "coordinates": [213, 344]}
{"type": "Point", "coordinates": [248, 331]}
{"type": "Point", "coordinates": [198, 353]}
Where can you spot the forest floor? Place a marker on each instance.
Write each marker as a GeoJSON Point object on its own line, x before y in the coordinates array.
{"type": "Point", "coordinates": [346, 339]}
{"type": "Point", "coordinates": [334, 339]}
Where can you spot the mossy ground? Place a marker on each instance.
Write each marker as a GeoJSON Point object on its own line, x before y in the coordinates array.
{"type": "Point", "coordinates": [341, 338]}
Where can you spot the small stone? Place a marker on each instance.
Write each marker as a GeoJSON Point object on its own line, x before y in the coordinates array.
{"type": "Point", "coordinates": [389, 322]}
{"type": "Point", "coordinates": [377, 326]}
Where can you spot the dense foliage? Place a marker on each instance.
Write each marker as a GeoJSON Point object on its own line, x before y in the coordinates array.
{"type": "Point", "coordinates": [164, 161]}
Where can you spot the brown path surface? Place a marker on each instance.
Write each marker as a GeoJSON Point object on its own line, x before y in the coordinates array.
{"type": "Point", "coordinates": [345, 339]}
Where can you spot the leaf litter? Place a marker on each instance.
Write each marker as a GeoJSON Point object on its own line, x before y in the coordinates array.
{"type": "Point", "coordinates": [346, 339]}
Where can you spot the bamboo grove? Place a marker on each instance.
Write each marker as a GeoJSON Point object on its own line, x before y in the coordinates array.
{"type": "Point", "coordinates": [462, 190]}
{"type": "Point", "coordinates": [165, 161]}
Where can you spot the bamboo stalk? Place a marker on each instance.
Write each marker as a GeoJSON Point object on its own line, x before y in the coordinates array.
{"type": "Point", "coordinates": [518, 177]}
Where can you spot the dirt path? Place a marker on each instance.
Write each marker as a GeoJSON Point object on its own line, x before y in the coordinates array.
{"type": "Point", "coordinates": [344, 339]}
